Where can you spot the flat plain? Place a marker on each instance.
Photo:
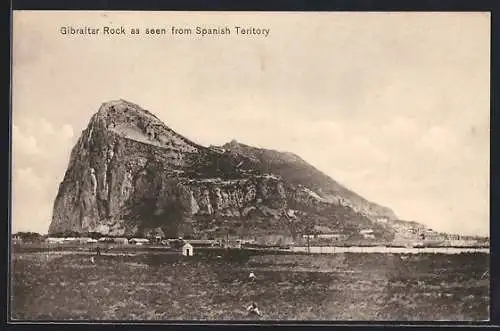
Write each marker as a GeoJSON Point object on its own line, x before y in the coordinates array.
{"type": "Point", "coordinates": [145, 285]}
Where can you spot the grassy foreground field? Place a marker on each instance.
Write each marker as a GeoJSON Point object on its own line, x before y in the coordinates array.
{"type": "Point", "coordinates": [350, 286]}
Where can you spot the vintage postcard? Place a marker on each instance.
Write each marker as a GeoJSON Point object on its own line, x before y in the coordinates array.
{"type": "Point", "coordinates": [250, 166]}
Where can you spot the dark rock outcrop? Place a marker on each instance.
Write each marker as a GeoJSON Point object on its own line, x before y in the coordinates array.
{"type": "Point", "coordinates": [129, 174]}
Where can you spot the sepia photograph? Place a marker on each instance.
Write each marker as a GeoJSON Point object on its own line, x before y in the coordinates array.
{"type": "Point", "coordinates": [250, 166]}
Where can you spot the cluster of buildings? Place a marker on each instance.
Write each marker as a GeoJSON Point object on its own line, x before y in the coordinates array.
{"type": "Point", "coordinates": [408, 234]}
{"type": "Point", "coordinates": [103, 240]}
{"type": "Point", "coordinates": [186, 249]}
{"type": "Point", "coordinates": [157, 240]}
{"type": "Point", "coordinates": [186, 245]}
{"type": "Point", "coordinates": [325, 234]}
{"type": "Point", "coordinates": [329, 236]}
{"type": "Point", "coordinates": [84, 240]}
{"type": "Point", "coordinates": [367, 233]}
{"type": "Point", "coordinates": [382, 220]}
{"type": "Point", "coordinates": [417, 235]}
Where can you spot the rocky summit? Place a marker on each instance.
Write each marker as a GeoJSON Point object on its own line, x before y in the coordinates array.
{"type": "Point", "coordinates": [129, 174]}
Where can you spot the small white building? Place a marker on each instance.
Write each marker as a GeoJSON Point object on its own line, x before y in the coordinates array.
{"type": "Point", "coordinates": [121, 241]}
{"type": "Point", "coordinates": [334, 236]}
{"type": "Point", "coordinates": [366, 231]}
{"type": "Point", "coordinates": [70, 239]}
{"type": "Point", "coordinates": [187, 249]}
{"type": "Point", "coordinates": [382, 220]}
{"type": "Point", "coordinates": [83, 240]}
{"type": "Point", "coordinates": [138, 241]}
{"type": "Point", "coordinates": [52, 240]}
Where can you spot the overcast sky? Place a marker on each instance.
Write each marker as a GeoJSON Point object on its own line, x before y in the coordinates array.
{"type": "Point", "coordinates": [394, 106]}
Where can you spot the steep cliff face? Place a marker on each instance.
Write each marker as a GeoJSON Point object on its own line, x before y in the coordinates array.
{"type": "Point", "coordinates": [129, 174]}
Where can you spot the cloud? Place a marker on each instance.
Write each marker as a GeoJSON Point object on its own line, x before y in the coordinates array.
{"type": "Point", "coordinates": [25, 179]}
{"type": "Point", "coordinates": [400, 127]}
{"type": "Point", "coordinates": [45, 128]}
{"type": "Point", "coordinates": [40, 154]}
{"type": "Point", "coordinates": [31, 197]}
{"type": "Point", "coordinates": [37, 136]}
{"type": "Point", "coordinates": [439, 140]}
{"type": "Point", "coordinates": [24, 143]}
{"type": "Point", "coordinates": [67, 131]}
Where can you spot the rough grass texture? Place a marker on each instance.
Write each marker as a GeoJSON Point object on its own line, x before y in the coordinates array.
{"type": "Point", "coordinates": [144, 286]}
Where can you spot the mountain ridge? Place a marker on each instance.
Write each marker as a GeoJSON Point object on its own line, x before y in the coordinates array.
{"type": "Point", "coordinates": [292, 157]}
{"type": "Point", "coordinates": [130, 173]}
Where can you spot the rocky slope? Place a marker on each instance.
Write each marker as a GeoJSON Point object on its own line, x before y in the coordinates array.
{"type": "Point", "coordinates": [129, 174]}
{"type": "Point", "coordinates": [299, 172]}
